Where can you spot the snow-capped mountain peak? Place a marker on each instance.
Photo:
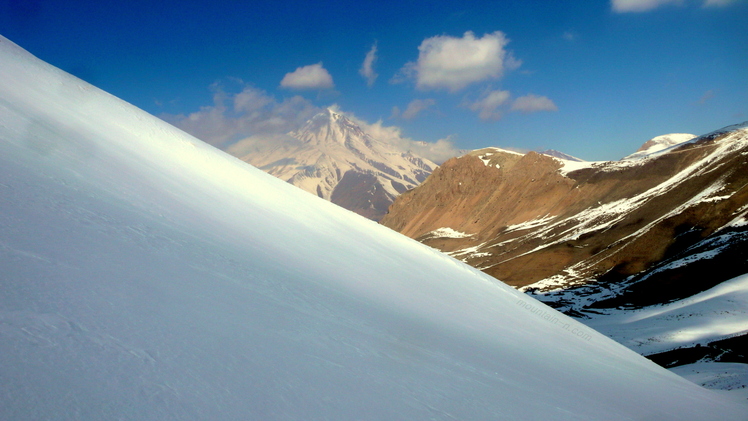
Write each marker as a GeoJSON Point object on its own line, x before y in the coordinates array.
{"type": "Point", "coordinates": [334, 158]}
{"type": "Point", "coordinates": [329, 126]}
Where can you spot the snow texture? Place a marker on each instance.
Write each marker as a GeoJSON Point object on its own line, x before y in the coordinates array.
{"type": "Point", "coordinates": [149, 276]}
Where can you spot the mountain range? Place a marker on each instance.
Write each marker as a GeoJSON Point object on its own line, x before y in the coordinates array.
{"type": "Point", "coordinates": [332, 157]}
{"type": "Point", "coordinates": [600, 239]}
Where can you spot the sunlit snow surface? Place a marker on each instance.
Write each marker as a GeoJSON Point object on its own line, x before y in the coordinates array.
{"type": "Point", "coordinates": [147, 276]}
{"type": "Point", "coordinates": [718, 313]}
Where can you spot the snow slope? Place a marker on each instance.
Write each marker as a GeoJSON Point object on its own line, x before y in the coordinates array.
{"type": "Point", "coordinates": [148, 276]}
{"type": "Point", "coordinates": [728, 377]}
{"type": "Point", "coordinates": [718, 313]}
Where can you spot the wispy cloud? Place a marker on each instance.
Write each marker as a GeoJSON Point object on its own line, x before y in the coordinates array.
{"type": "Point", "coordinates": [367, 68]}
{"type": "Point", "coordinates": [250, 112]}
{"type": "Point", "coordinates": [313, 76]}
{"type": "Point", "coordinates": [453, 63]}
{"type": "Point", "coordinates": [533, 103]}
{"type": "Point", "coordinates": [624, 6]}
{"type": "Point", "coordinates": [438, 151]}
{"type": "Point", "coordinates": [488, 107]}
{"type": "Point", "coordinates": [706, 97]}
{"type": "Point", "coordinates": [570, 36]}
{"type": "Point", "coordinates": [494, 104]}
{"type": "Point", "coordinates": [414, 108]}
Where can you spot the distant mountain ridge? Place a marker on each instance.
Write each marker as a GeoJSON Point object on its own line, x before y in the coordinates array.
{"type": "Point", "coordinates": [332, 157]}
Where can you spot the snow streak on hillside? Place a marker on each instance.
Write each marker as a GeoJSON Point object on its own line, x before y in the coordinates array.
{"type": "Point", "coordinates": [148, 276]}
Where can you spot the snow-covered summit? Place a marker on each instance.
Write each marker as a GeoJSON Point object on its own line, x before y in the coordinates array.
{"type": "Point", "coordinates": [149, 276]}
{"type": "Point", "coordinates": [332, 157]}
{"type": "Point", "coordinates": [330, 126]}
{"type": "Point", "coordinates": [660, 143]}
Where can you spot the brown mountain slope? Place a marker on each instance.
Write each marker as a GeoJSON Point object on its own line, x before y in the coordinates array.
{"type": "Point", "coordinates": [529, 218]}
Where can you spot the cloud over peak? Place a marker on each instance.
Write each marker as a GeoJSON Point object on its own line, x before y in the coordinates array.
{"type": "Point", "coordinates": [313, 76]}
{"type": "Point", "coordinates": [438, 151]}
{"type": "Point", "coordinates": [237, 115]}
{"type": "Point", "coordinates": [452, 63]}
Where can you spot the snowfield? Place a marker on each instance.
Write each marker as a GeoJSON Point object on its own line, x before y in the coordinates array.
{"type": "Point", "coordinates": [149, 276]}
{"type": "Point", "coordinates": [718, 313]}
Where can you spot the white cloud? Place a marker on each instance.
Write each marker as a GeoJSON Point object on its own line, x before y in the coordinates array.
{"type": "Point", "coordinates": [313, 76]}
{"type": "Point", "coordinates": [367, 68]}
{"type": "Point", "coordinates": [452, 63]}
{"type": "Point", "coordinates": [249, 112]}
{"type": "Point", "coordinates": [415, 107]}
{"type": "Point", "coordinates": [623, 6]}
{"type": "Point", "coordinates": [488, 107]}
{"type": "Point", "coordinates": [533, 103]}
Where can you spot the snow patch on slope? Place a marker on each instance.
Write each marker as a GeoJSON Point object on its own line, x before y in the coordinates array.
{"type": "Point", "coordinates": [447, 232]}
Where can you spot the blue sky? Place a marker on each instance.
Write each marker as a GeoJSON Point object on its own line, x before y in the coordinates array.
{"type": "Point", "coordinates": [594, 79]}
